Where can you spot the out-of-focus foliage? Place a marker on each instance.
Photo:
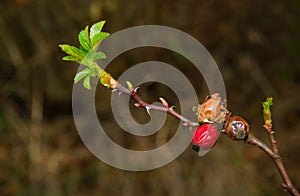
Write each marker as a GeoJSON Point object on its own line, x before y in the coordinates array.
{"type": "Point", "coordinates": [255, 43]}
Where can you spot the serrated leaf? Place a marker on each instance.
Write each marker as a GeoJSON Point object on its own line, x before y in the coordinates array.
{"type": "Point", "coordinates": [84, 39]}
{"type": "Point", "coordinates": [99, 55]}
{"type": "Point", "coordinates": [73, 51]}
{"type": "Point", "coordinates": [270, 100]}
{"type": "Point", "coordinates": [87, 83]}
{"type": "Point", "coordinates": [97, 38]}
{"type": "Point", "coordinates": [81, 75]}
{"type": "Point", "coordinates": [94, 69]}
{"type": "Point", "coordinates": [96, 28]}
{"type": "Point", "coordinates": [71, 58]}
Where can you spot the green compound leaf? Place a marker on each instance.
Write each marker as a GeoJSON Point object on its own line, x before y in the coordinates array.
{"type": "Point", "coordinates": [81, 75]}
{"type": "Point", "coordinates": [97, 38]}
{"type": "Point", "coordinates": [87, 83]}
{"type": "Point", "coordinates": [84, 39]}
{"type": "Point", "coordinates": [73, 51]}
{"type": "Point", "coordinates": [87, 55]}
{"type": "Point", "coordinates": [96, 28]}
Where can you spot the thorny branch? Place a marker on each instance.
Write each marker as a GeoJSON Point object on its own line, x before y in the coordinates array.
{"type": "Point", "coordinates": [250, 139]}
{"type": "Point", "coordinates": [165, 108]}
{"type": "Point", "coordinates": [235, 127]}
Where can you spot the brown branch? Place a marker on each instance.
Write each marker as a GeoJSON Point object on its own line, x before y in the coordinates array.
{"type": "Point", "coordinates": [252, 140]}
{"type": "Point", "coordinates": [274, 154]}
{"type": "Point", "coordinates": [287, 184]}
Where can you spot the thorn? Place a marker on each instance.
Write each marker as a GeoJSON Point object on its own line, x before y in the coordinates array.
{"type": "Point", "coordinates": [185, 124]}
{"type": "Point", "coordinates": [272, 132]}
{"type": "Point", "coordinates": [148, 110]}
{"type": "Point", "coordinates": [114, 90]}
{"type": "Point", "coordinates": [120, 93]}
{"type": "Point", "coordinates": [191, 129]}
{"type": "Point", "coordinates": [172, 108]}
{"type": "Point", "coordinates": [135, 90]}
{"type": "Point", "coordinates": [164, 102]}
{"type": "Point", "coordinates": [195, 124]}
{"type": "Point", "coordinates": [195, 109]}
{"type": "Point", "coordinates": [138, 105]}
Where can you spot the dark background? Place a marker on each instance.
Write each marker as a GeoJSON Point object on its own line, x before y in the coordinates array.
{"type": "Point", "coordinates": [256, 45]}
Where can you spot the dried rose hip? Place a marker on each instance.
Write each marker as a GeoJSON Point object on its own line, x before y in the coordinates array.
{"type": "Point", "coordinates": [213, 110]}
{"type": "Point", "coordinates": [236, 128]}
{"type": "Point", "coordinates": [204, 138]}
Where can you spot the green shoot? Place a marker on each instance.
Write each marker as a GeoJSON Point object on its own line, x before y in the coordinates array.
{"type": "Point", "coordinates": [87, 55]}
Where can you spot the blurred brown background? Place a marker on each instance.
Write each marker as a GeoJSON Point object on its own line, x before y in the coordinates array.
{"type": "Point", "coordinates": [255, 43]}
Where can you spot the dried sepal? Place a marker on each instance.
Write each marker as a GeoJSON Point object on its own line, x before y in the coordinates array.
{"type": "Point", "coordinates": [213, 110]}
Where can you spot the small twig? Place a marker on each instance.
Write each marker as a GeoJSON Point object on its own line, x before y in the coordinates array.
{"type": "Point", "coordinates": [273, 142]}
{"type": "Point", "coordinates": [287, 184]}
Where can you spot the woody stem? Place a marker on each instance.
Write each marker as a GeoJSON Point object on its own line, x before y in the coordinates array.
{"type": "Point", "coordinates": [274, 154]}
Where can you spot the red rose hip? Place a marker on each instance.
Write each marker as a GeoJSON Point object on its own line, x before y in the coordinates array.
{"type": "Point", "coordinates": [204, 138]}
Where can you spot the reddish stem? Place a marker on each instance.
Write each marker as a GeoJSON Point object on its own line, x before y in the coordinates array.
{"type": "Point", "coordinates": [148, 106]}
